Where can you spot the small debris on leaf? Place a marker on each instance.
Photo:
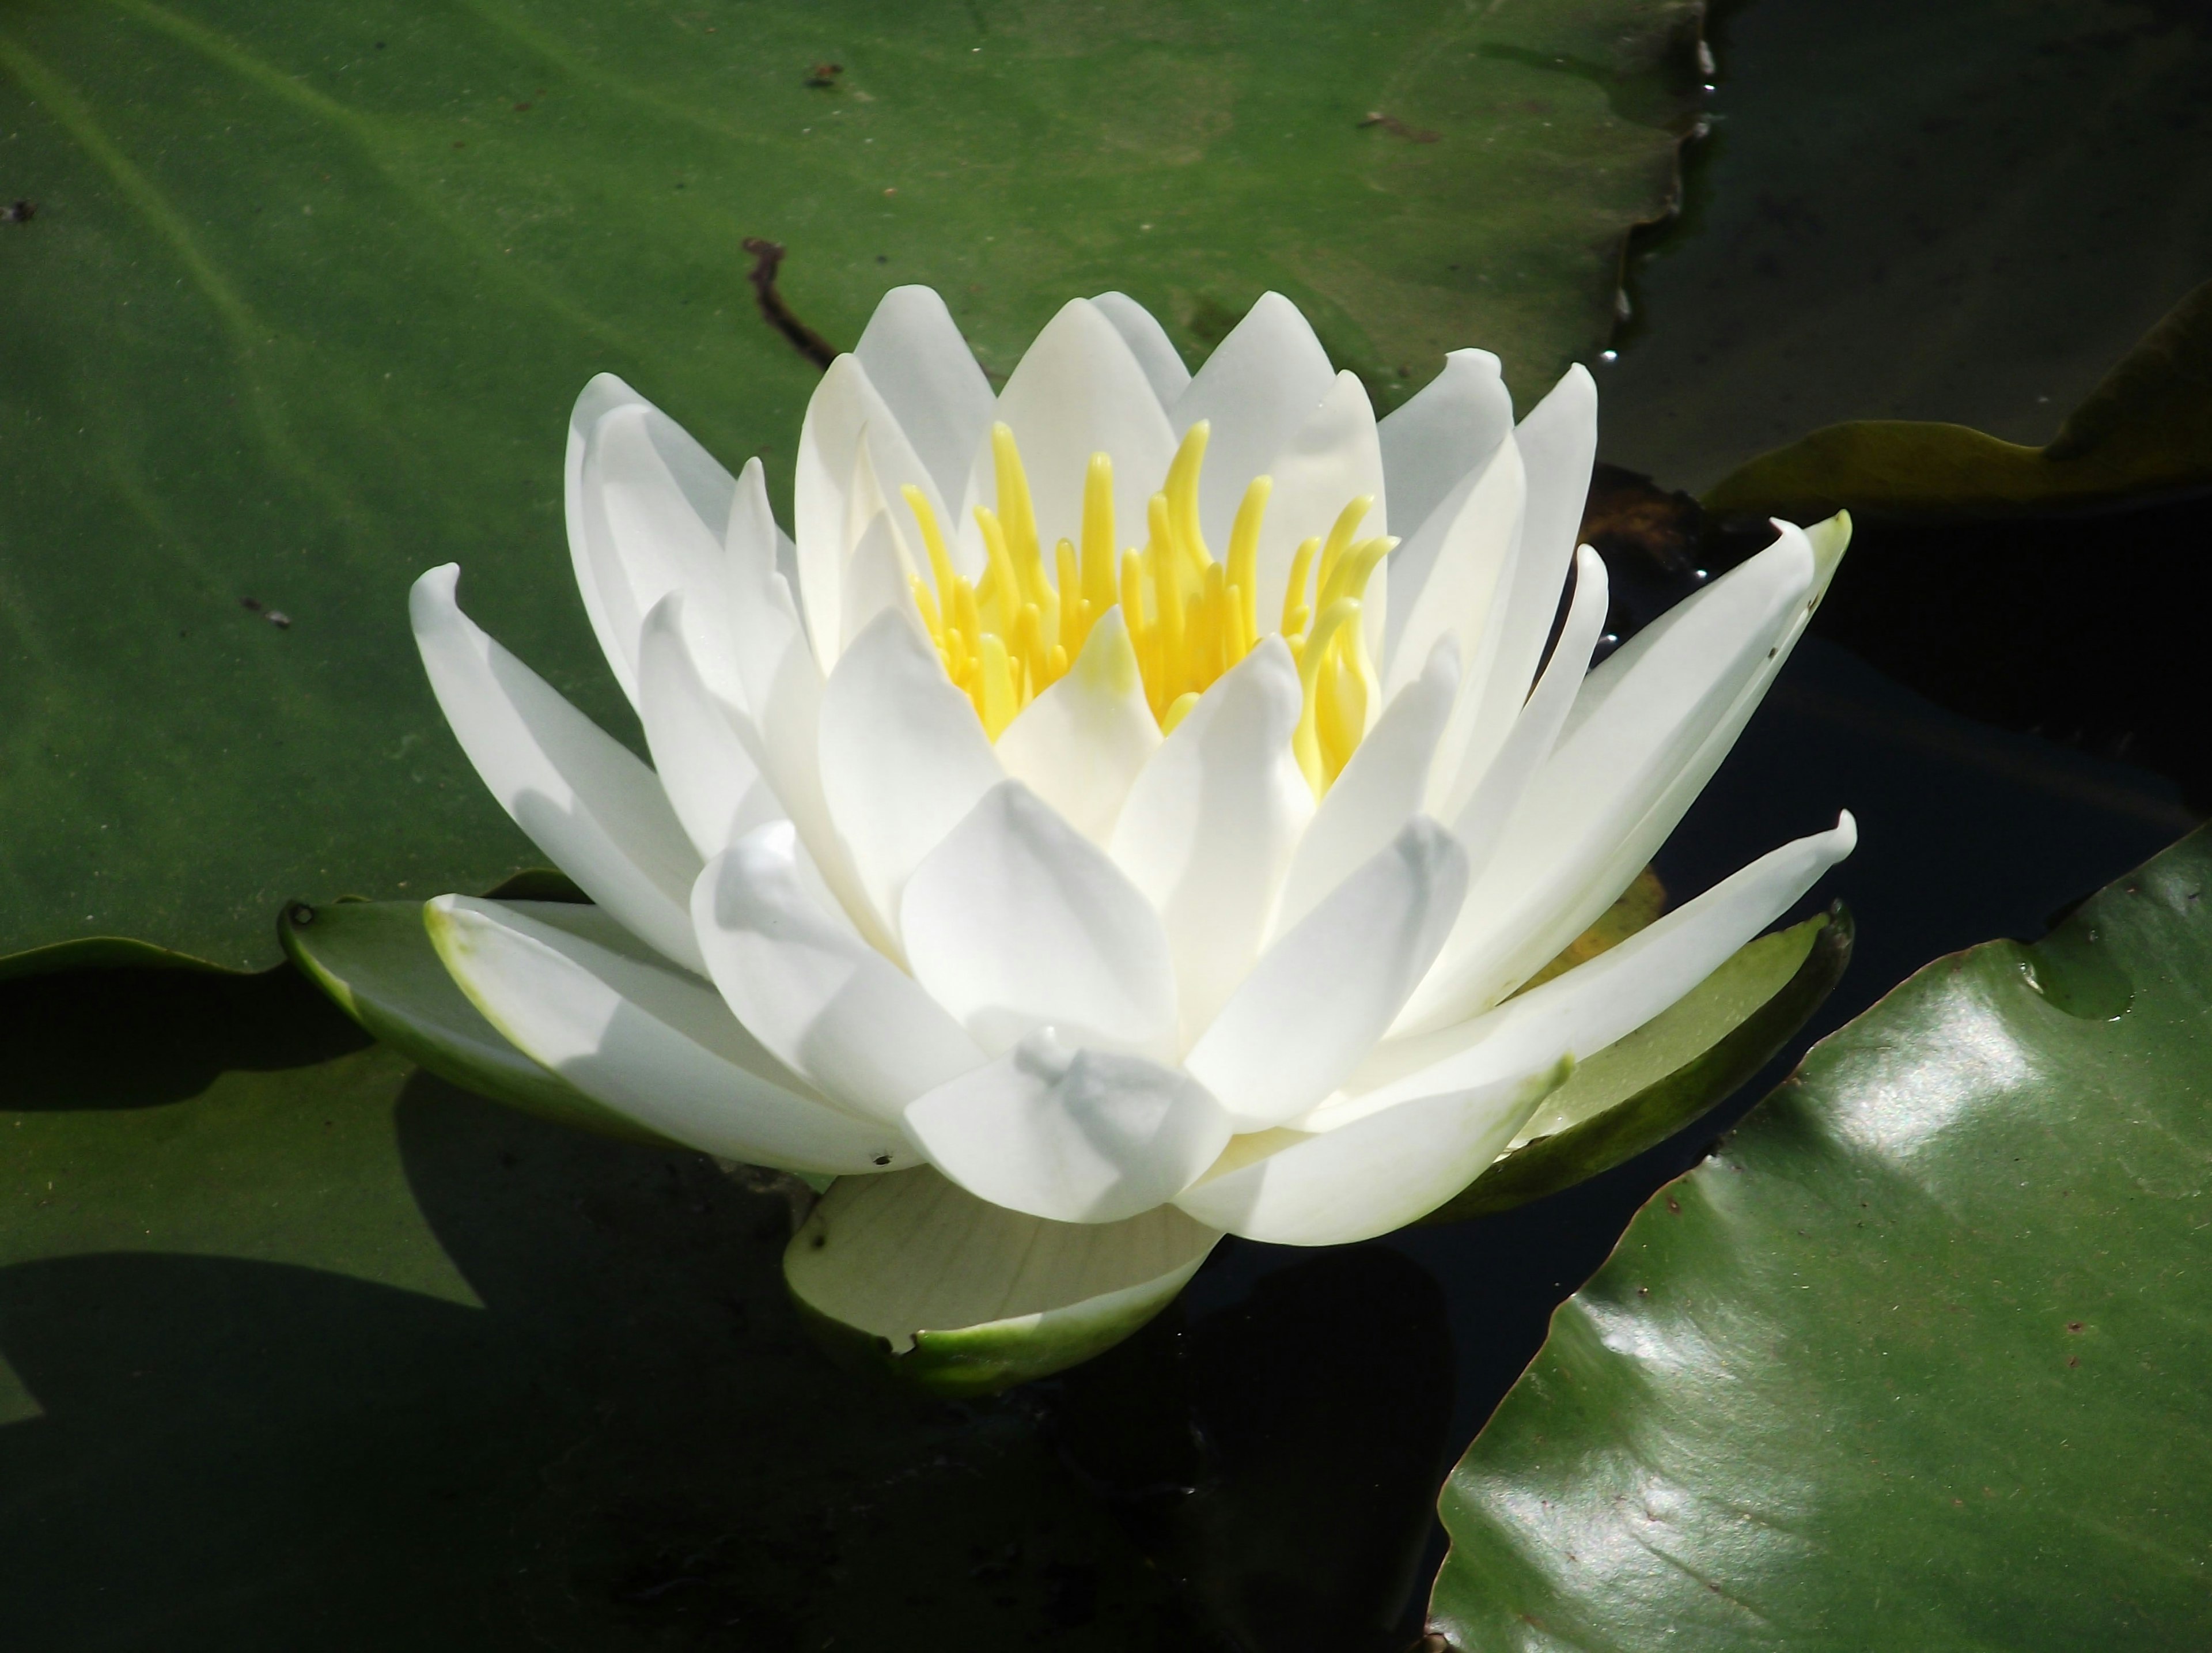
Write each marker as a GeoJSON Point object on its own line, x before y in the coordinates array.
{"type": "Point", "coordinates": [1398, 128]}
{"type": "Point", "coordinates": [19, 212]}
{"type": "Point", "coordinates": [823, 77]}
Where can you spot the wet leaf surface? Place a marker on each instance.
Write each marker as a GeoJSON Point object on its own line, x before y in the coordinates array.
{"type": "Point", "coordinates": [1916, 1358]}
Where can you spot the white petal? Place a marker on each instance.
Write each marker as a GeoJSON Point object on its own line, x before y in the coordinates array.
{"type": "Point", "coordinates": [1557, 444]}
{"type": "Point", "coordinates": [912, 1254]}
{"type": "Point", "coordinates": [655, 1045]}
{"type": "Point", "coordinates": [1017, 922]}
{"type": "Point", "coordinates": [1081, 744]}
{"type": "Point", "coordinates": [878, 578]}
{"type": "Point", "coordinates": [916, 359]}
{"type": "Point", "coordinates": [580, 795]}
{"type": "Point", "coordinates": [1077, 392]}
{"type": "Point", "coordinates": [1076, 1136]}
{"type": "Point", "coordinates": [783, 692]}
{"type": "Point", "coordinates": [704, 765]}
{"type": "Point", "coordinates": [1261, 384]}
{"type": "Point", "coordinates": [903, 756]}
{"type": "Point", "coordinates": [645, 509]}
{"type": "Point", "coordinates": [1448, 430]}
{"type": "Point", "coordinates": [1208, 828]}
{"type": "Point", "coordinates": [832, 1009]}
{"type": "Point", "coordinates": [1320, 997]}
{"type": "Point", "coordinates": [1446, 578]}
{"type": "Point", "coordinates": [1480, 818]}
{"type": "Point", "coordinates": [1149, 343]}
{"type": "Point", "coordinates": [1373, 1175]}
{"type": "Point", "coordinates": [1380, 790]}
{"type": "Point", "coordinates": [1549, 879]}
{"type": "Point", "coordinates": [1333, 458]}
{"type": "Point", "coordinates": [845, 412]}
{"type": "Point", "coordinates": [1609, 997]}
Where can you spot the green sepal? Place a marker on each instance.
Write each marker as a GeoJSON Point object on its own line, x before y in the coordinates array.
{"type": "Point", "coordinates": [1639, 1091]}
{"type": "Point", "coordinates": [374, 958]}
{"type": "Point", "coordinates": [909, 1274]}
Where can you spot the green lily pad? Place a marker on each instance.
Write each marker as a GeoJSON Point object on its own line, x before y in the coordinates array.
{"type": "Point", "coordinates": [307, 291]}
{"type": "Point", "coordinates": [2145, 428]}
{"type": "Point", "coordinates": [300, 1348]}
{"type": "Point", "coordinates": [1918, 1359]}
{"type": "Point", "coordinates": [1636, 1093]}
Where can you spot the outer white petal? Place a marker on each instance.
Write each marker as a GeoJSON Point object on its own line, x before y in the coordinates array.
{"type": "Point", "coordinates": [1457, 565]}
{"type": "Point", "coordinates": [1076, 1136]}
{"type": "Point", "coordinates": [1017, 922]}
{"type": "Point", "coordinates": [1557, 444]}
{"type": "Point", "coordinates": [831, 1008]}
{"type": "Point", "coordinates": [1373, 1175]}
{"type": "Point", "coordinates": [1447, 431]}
{"type": "Point", "coordinates": [1480, 815]}
{"type": "Point", "coordinates": [1261, 384]}
{"type": "Point", "coordinates": [705, 767]}
{"type": "Point", "coordinates": [1545, 883]}
{"type": "Point", "coordinates": [1332, 458]}
{"type": "Point", "coordinates": [1610, 996]}
{"type": "Point", "coordinates": [647, 1042]}
{"type": "Point", "coordinates": [903, 756]}
{"type": "Point", "coordinates": [1081, 744]}
{"type": "Point", "coordinates": [645, 509]}
{"type": "Point", "coordinates": [914, 1253]}
{"type": "Point", "coordinates": [1077, 392]}
{"type": "Point", "coordinates": [1320, 997]}
{"type": "Point", "coordinates": [878, 577]}
{"type": "Point", "coordinates": [916, 359]}
{"type": "Point", "coordinates": [845, 412]}
{"type": "Point", "coordinates": [1149, 343]}
{"type": "Point", "coordinates": [579, 793]}
{"type": "Point", "coordinates": [1380, 790]}
{"type": "Point", "coordinates": [1209, 827]}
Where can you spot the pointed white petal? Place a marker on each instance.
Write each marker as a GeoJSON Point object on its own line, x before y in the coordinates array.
{"type": "Point", "coordinates": [1077, 392]}
{"type": "Point", "coordinates": [644, 507]}
{"type": "Point", "coordinates": [990, 1295]}
{"type": "Point", "coordinates": [1207, 830]}
{"type": "Point", "coordinates": [1557, 444]}
{"type": "Point", "coordinates": [1261, 384]}
{"type": "Point", "coordinates": [1548, 879]}
{"type": "Point", "coordinates": [1480, 815]}
{"type": "Point", "coordinates": [1320, 998]}
{"type": "Point", "coordinates": [705, 766]}
{"type": "Point", "coordinates": [903, 756]}
{"type": "Point", "coordinates": [914, 357]}
{"type": "Point", "coordinates": [1447, 431]}
{"type": "Point", "coordinates": [1333, 458]}
{"type": "Point", "coordinates": [647, 1042]}
{"type": "Point", "coordinates": [1080, 744]}
{"type": "Point", "coordinates": [1076, 1136]}
{"type": "Point", "coordinates": [1372, 1175]}
{"type": "Point", "coordinates": [1609, 997]}
{"type": "Point", "coordinates": [1445, 579]}
{"type": "Point", "coordinates": [1380, 790]}
{"type": "Point", "coordinates": [1149, 343]}
{"type": "Point", "coordinates": [1017, 922]}
{"type": "Point", "coordinates": [878, 578]}
{"type": "Point", "coordinates": [580, 795]}
{"type": "Point", "coordinates": [831, 1008]}
{"type": "Point", "coordinates": [845, 412]}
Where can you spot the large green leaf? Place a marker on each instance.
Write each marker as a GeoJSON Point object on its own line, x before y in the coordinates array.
{"type": "Point", "coordinates": [302, 1349]}
{"type": "Point", "coordinates": [1918, 1359]}
{"type": "Point", "coordinates": [308, 289]}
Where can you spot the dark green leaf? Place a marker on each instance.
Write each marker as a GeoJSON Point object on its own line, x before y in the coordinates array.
{"type": "Point", "coordinates": [309, 289]}
{"type": "Point", "coordinates": [2146, 426]}
{"type": "Point", "coordinates": [1918, 1359]}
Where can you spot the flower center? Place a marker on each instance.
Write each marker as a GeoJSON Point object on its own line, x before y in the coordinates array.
{"type": "Point", "coordinates": [1010, 635]}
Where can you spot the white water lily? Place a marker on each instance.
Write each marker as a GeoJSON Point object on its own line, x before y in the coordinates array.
{"type": "Point", "coordinates": [1096, 803]}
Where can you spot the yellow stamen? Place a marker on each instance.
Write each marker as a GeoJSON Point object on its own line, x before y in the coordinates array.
{"type": "Point", "coordinates": [1182, 492]}
{"type": "Point", "coordinates": [1294, 611]}
{"type": "Point", "coordinates": [1178, 712]}
{"type": "Point", "coordinates": [1340, 536]}
{"type": "Point", "coordinates": [1098, 569]}
{"type": "Point", "coordinates": [1069, 632]}
{"type": "Point", "coordinates": [996, 699]}
{"type": "Point", "coordinates": [1305, 744]}
{"type": "Point", "coordinates": [1245, 557]}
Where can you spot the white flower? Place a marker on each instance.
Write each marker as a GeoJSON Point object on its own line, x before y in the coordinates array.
{"type": "Point", "coordinates": [1096, 802]}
